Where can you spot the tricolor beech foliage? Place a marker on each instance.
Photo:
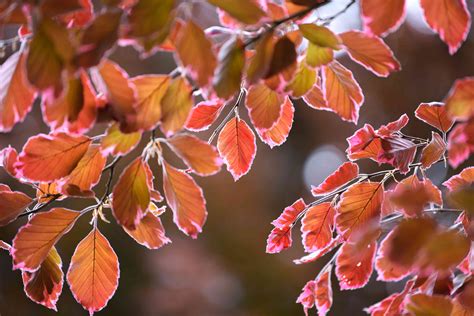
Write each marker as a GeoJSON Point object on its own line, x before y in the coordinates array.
{"type": "Point", "coordinates": [263, 55]}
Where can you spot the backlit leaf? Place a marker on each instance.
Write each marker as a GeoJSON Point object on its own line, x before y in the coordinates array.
{"type": "Point", "coordinates": [449, 18]}
{"type": "Point", "coordinates": [45, 284]}
{"type": "Point", "coordinates": [176, 105]}
{"type": "Point", "coordinates": [200, 156]}
{"type": "Point", "coordinates": [149, 17]}
{"type": "Point", "coordinates": [203, 115]}
{"type": "Point", "coordinates": [278, 134]}
{"type": "Point", "coordinates": [284, 56]}
{"type": "Point", "coordinates": [260, 62]}
{"type": "Point", "coordinates": [185, 199]}
{"type": "Point", "coordinates": [317, 226]}
{"type": "Point", "coordinates": [460, 100]}
{"type": "Point", "coordinates": [228, 74]}
{"type": "Point", "coordinates": [343, 94]}
{"type": "Point", "coordinates": [464, 178]}
{"type": "Point", "coordinates": [354, 266]}
{"type": "Point", "coordinates": [150, 92]}
{"type": "Point", "coordinates": [371, 52]}
{"type": "Point", "coordinates": [446, 250]}
{"type": "Point", "coordinates": [320, 36]}
{"type": "Point", "coordinates": [149, 232]}
{"type": "Point", "coordinates": [279, 239]}
{"type": "Point", "coordinates": [94, 272]}
{"type": "Point", "coordinates": [51, 157]}
{"type": "Point", "coordinates": [195, 52]}
{"type": "Point", "coordinates": [264, 106]}
{"type": "Point", "coordinates": [318, 292]}
{"type": "Point", "coordinates": [386, 269]}
{"type": "Point", "coordinates": [433, 151]}
{"type": "Point", "coordinates": [303, 80]}
{"type": "Point", "coordinates": [86, 174]}
{"type": "Point", "coordinates": [435, 114]}
{"type": "Point", "coordinates": [236, 145]}
{"type": "Point", "coordinates": [381, 17]}
{"type": "Point", "coordinates": [34, 240]}
{"type": "Point", "coordinates": [359, 204]}
{"type": "Point", "coordinates": [246, 11]}
{"type": "Point", "coordinates": [118, 143]}
{"type": "Point", "coordinates": [131, 194]}
{"type": "Point", "coordinates": [423, 304]}
{"type": "Point", "coordinates": [12, 204]}
{"type": "Point", "coordinates": [16, 94]}
{"type": "Point", "coordinates": [317, 56]}
{"type": "Point", "coordinates": [345, 173]}
{"type": "Point", "coordinates": [289, 214]}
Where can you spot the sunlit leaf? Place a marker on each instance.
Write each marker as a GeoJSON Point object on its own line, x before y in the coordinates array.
{"type": "Point", "coordinates": [118, 143]}
{"type": "Point", "coordinates": [433, 151]}
{"type": "Point", "coordinates": [460, 100]}
{"type": "Point", "coordinates": [203, 115]}
{"type": "Point", "coordinates": [264, 106]}
{"type": "Point", "coordinates": [246, 11]}
{"type": "Point", "coordinates": [381, 17]}
{"type": "Point", "coordinates": [278, 134]}
{"type": "Point", "coordinates": [13, 204]}
{"type": "Point", "coordinates": [228, 74]}
{"type": "Point", "coordinates": [303, 80]}
{"type": "Point", "coordinates": [176, 106]}
{"type": "Point", "coordinates": [435, 114]}
{"type": "Point", "coordinates": [320, 36]}
{"type": "Point", "coordinates": [354, 266]}
{"type": "Point", "coordinates": [423, 304]}
{"type": "Point", "coordinates": [317, 226]}
{"type": "Point", "coordinates": [345, 173]}
{"type": "Point", "coordinates": [149, 232]}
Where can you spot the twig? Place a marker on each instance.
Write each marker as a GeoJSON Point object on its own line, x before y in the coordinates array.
{"type": "Point", "coordinates": [226, 118]}
{"type": "Point", "coordinates": [54, 197]}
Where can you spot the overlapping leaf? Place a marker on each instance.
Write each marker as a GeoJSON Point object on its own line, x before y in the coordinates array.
{"type": "Point", "coordinates": [13, 204]}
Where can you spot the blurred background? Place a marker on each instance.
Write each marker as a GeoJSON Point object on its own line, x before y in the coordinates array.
{"type": "Point", "coordinates": [226, 270]}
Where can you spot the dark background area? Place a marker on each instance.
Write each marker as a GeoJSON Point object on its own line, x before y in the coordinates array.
{"type": "Point", "coordinates": [226, 270]}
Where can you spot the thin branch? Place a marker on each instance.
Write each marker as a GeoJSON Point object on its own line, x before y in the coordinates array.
{"type": "Point", "coordinates": [226, 118]}
{"type": "Point", "coordinates": [53, 197]}
{"type": "Point", "coordinates": [328, 20]}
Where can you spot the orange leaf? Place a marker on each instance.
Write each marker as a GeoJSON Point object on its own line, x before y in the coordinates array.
{"type": "Point", "coordinates": [460, 100]}
{"type": "Point", "coordinates": [315, 98]}
{"type": "Point", "coordinates": [433, 151]}
{"type": "Point", "coordinates": [236, 145]}
{"type": "Point", "coordinates": [176, 105]}
{"type": "Point", "coordinates": [45, 284]}
{"type": "Point", "coordinates": [150, 89]}
{"type": "Point", "coordinates": [8, 159]}
{"type": "Point", "coordinates": [94, 272]}
{"type": "Point", "coordinates": [74, 111]}
{"type": "Point", "coordinates": [278, 134]}
{"type": "Point", "coordinates": [13, 203]}
{"type": "Point", "coordinates": [200, 156]}
{"type": "Point", "coordinates": [131, 194]}
{"type": "Point", "coordinates": [318, 292]}
{"type": "Point", "coordinates": [359, 204]}
{"type": "Point", "coordinates": [264, 106]}
{"type": "Point", "coordinates": [446, 250]}
{"type": "Point", "coordinates": [86, 174]}
{"type": "Point", "coordinates": [464, 178]}
{"type": "Point", "coordinates": [449, 18]}
{"type": "Point", "coordinates": [434, 114]}
{"type": "Point", "coordinates": [343, 94]}
{"type": "Point", "coordinates": [118, 143]}
{"type": "Point", "coordinates": [186, 200]}
{"type": "Point", "coordinates": [284, 56]}
{"type": "Point", "coordinates": [354, 266]}
{"type": "Point", "coordinates": [423, 304]}
{"type": "Point", "coordinates": [381, 17]}
{"type": "Point", "coordinates": [345, 173]}
{"type": "Point", "coordinates": [149, 232]}
{"type": "Point", "coordinates": [371, 52]}
{"type": "Point", "coordinates": [16, 97]}
{"type": "Point", "coordinates": [195, 52]}
{"type": "Point", "coordinates": [317, 226]}
{"type": "Point", "coordinates": [203, 115]}
{"type": "Point", "coordinates": [51, 157]}
{"type": "Point", "coordinates": [34, 240]}
{"type": "Point", "coordinates": [386, 269]}
{"type": "Point", "coordinates": [246, 11]}
{"type": "Point", "coordinates": [260, 61]}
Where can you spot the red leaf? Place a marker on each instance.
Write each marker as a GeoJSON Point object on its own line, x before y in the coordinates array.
{"type": "Point", "coordinates": [386, 269]}
{"type": "Point", "coordinates": [317, 226]}
{"type": "Point", "coordinates": [381, 17]}
{"type": "Point", "coordinates": [371, 52]}
{"type": "Point", "coordinates": [34, 240]}
{"type": "Point", "coordinates": [16, 97]}
{"type": "Point", "coordinates": [460, 143]}
{"type": "Point", "coordinates": [236, 145]}
{"type": "Point", "coordinates": [131, 194]}
{"type": "Point", "coordinates": [364, 144]}
{"type": "Point", "coordinates": [149, 232]}
{"type": "Point", "coordinates": [278, 134]}
{"type": "Point", "coordinates": [354, 266]}
{"type": "Point", "coordinates": [345, 173]}
{"type": "Point", "coordinates": [264, 105]}
{"type": "Point", "coordinates": [185, 199]}
{"type": "Point", "coordinates": [392, 127]}
{"type": "Point", "coordinates": [279, 239]}
{"type": "Point", "coordinates": [200, 156]}
{"type": "Point", "coordinates": [411, 195]}
{"type": "Point", "coordinates": [8, 159]}
{"type": "Point", "coordinates": [118, 143]}
{"type": "Point", "coordinates": [150, 89]}
{"type": "Point", "coordinates": [398, 152]}
{"type": "Point", "coordinates": [318, 292]}
{"type": "Point", "coordinates": [392, 305]}
{"type": "Point", "coordinates": [433, 151]}
{"type": "Point", "coordinates": [464, 178]}
{"type": "Point", "coordinates": [435, 114]}
{"type": "Point", "coordinates": [12, 205]}
{"type": "Point", "coordinates": [45, 284]}
{"type": "Point", "coordinates": [460, 100]}
{"type": "Point", "coordinates": [358, 205]}
{"type": "Point", "coordinates": [86, 174]}
{"type": "Point", "coordinates": [94, 272]}
{"type": "Point", "coordinates": [203, 115]}
{"type": "Point", "coordinates": [342, 92]}
{"type": "Point", "coordinates": [449, 18]}
{"type": "Point", "coordinates": [76, 110]}
{"type": "Point", "coordinates": [51, 157]}
{"type": "Point", "coordinates": [289, 215]}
